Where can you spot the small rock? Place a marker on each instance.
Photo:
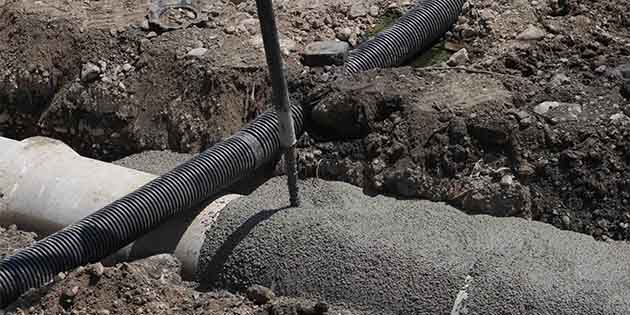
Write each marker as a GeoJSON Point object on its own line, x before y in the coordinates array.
{"type": "Point", "coordinates": [325, 53]}
{"type": "Point", "coordinates": [60, 276]}
{"type": "Point", "coordinates": [90, 72]}
{"type": "Point", "coordinates": [70, 293]}
{"type": "Point", "coordinates": [127, 67]}
{"type": "Point", "coordinates": [559, 112]}
{"type": "Point", "coordinates": [251, 25]}
{"type": "Point", "coordinates": [566, 221]}
{"type": "Point", "coordinates": [459, 58]}
{"type": "Point", "coordinates": [555, 28]}
{"type": "Point", "coordinates": [229, 29]}
{"type": "Point", "coordinates": [619, 117]}
{"type": "Point", "coordinates": [103, 65]}
{"type": "Point", "coordinates": [531, 33]}
{"type": "Point", "coordinates": [374, 11]}
{"type": "Point", "coordinates": [601, 69]}
{"type": "Point", "coordinates": [151, 35]}
{"type": "Point", "coordinates": [507, 180]}
{"type": "Point", "coordinates": [560, 79]}
{"type": "Point", "coordinates": [522, 115]}
{"type": "Point", "coordinates": [260, 295]}
{"type": "Point", "coordinates": [358, 9]}
{"type": "Point", "coordinates": [344, 33]}
{"type": "Point", "coordinates": [96, 270]}
{"type": "Point", "coordinates": [197, 52]}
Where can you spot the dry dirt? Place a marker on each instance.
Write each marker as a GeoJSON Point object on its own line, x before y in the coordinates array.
{"type": "Point", "coordinates": [479, 136]}
{"type": "Point", "coordinates": [149, 286]}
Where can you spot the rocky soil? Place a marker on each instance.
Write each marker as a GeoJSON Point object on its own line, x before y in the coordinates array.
{"type": "Point", "coordinates": [521, 110]}
{"type": "Point", "coordinates": [149, 286]}
{"type": "Point", "coordinates": [530, 120]}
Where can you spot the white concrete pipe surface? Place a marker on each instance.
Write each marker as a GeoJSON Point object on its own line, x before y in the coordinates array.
{"type": "Point", "coordinates": [46, 186]}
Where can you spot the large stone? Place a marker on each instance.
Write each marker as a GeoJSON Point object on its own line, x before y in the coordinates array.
{"type": "Point", "coordinates": [531, 33]}
{"type": "Point", "coordinates": [559, 112]}
{"type": "Point", "coordinates": [197, 52]}
{"type": "Point", "coordinates": [544, 107]}
{"type": "Point", "coordinates": [358, 9]}
{"type": "Point", "coordinates": [459, 58]}
{"type": "Point", "coordinates": [90, 72]}
{"type": "Point", "coordinates": [260, 295]}
{"type": "Point", "coordinates": [325, 53]}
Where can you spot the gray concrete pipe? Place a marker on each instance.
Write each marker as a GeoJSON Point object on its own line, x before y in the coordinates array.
{"type": "Point", "coordinates": [46, 186]}
{"type": "Point", "coordinates": [127, 219]}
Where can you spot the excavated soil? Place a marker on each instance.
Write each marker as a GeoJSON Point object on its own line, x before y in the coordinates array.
{"type": "Point", "coordinates": [534, 123]}
{"type": "Point", "coordinates": [149, 286]}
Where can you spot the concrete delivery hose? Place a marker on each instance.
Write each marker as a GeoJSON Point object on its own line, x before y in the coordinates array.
{"type": "Point", "coordinates": [123, 221]}
{"type": "Point", "coordinates": [412, 33]}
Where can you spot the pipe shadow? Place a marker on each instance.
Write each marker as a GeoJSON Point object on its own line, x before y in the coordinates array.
{"type": "Point", "coordinates": [217, 263]}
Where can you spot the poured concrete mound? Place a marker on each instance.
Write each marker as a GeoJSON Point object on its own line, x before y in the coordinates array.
{"type": "Point", "coordinates": [385, 256]}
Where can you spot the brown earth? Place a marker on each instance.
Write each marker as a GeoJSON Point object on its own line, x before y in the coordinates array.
{"type": "Point", "coordinates": [471, 135]}
{"type": "Point", "coordinates": [479, 136]}
{"type": "Point", "coordinates": [149, 286]}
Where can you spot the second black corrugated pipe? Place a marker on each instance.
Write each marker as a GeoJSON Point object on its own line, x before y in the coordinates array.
{"type": "Point", "coordinates": [123, 221]}
{"type": "Point", "coordinates": [412, 33]}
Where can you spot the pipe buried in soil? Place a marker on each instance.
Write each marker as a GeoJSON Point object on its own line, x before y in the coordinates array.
{"type": "Point", "coordinates": [411, 34]}
{"type": "Point", "coordinates": [116, 225]}
{"type": "Point", "coordinates": [46, 186]}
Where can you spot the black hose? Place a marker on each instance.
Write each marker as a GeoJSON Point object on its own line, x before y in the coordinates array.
{"type": "Point", "coordinates": [412, 33]}
{"type": "Point", "coordinates": [123, 221]}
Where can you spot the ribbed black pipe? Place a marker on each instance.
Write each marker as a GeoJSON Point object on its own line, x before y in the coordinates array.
{"type": "Point", "coordinates": [412, 33]}
{"type": "Point", "coordinates": [123, 221]}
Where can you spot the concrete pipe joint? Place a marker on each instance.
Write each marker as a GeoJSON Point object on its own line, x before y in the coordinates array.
{"type": "Point", "coordinates": [46, 186]}
{"type": "Point", "coordinates": [119, 223]}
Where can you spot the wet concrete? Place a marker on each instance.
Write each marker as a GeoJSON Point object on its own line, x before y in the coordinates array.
{"type": "Point", "coordinates": [386, 256]}
{"type": "Point", "coordinates": [154, 162]}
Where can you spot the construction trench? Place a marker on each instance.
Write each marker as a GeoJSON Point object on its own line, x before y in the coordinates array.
{"type": "Point", "coordinates": [361, 253]}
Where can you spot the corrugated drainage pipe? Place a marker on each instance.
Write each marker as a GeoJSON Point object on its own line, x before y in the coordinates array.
{"type": "Point", "coordinates": [412, 33]}
{"type": "Point", "coordinates": [46, 186]}
{"type": "Point", "coordinates": [123, 221]}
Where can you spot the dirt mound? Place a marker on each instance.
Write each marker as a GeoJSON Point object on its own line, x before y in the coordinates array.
{"type": "Point", "coordinates": [97, 76]}
{"type": "Point", "coordinates": [535, 124]}
{"type": "Point", "coordinates": [149, 286]}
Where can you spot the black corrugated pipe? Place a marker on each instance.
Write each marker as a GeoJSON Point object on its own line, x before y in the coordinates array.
{"type": "Point", "coordinates": [412, 33]}
{"type": "Point", "coordinates": [123, 221]}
